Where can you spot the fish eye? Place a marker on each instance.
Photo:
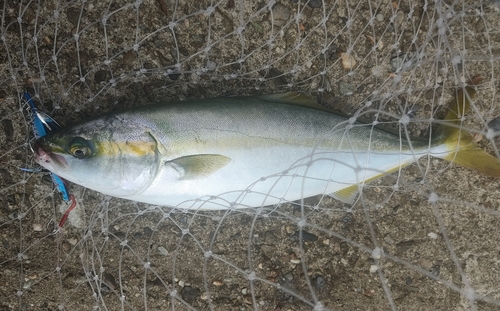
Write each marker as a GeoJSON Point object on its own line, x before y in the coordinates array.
{"type": "Point", "coordinates": [80, 148]}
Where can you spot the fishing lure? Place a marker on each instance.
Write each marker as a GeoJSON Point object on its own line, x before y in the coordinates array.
{"type": "Point", "coordinates": [42, 125]}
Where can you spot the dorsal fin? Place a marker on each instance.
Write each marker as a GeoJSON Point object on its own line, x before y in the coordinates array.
{"type": "Point", "coordinates": [296, 99]}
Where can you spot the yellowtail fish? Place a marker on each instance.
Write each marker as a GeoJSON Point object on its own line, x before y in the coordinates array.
{"type": "Point", "coordinates": [239, 152]}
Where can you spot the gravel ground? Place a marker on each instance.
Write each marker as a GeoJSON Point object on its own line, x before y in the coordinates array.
{"type": "Point", "coordinates": [424, 238]}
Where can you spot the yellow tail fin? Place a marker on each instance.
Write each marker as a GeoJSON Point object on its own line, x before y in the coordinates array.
{"type": "Point", "coordinates": [466, 152]}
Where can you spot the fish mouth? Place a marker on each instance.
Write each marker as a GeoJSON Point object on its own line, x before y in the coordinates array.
{"type": "Point", "coordinates": [48, 159]}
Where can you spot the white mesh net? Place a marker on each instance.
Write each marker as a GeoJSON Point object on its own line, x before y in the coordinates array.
{"type": "Point", "coordinates": [422, 238]}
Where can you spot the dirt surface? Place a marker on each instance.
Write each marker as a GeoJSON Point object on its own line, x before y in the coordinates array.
{"type": "Point", "coordinates": [424, 238]}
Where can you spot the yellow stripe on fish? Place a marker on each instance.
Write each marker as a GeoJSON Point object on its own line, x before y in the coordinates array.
{"type": "Point", "coordinates": [131, 148]}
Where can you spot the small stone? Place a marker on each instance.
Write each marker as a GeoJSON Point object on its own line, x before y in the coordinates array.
{"type": "Point", "coordinates": [147, 231]}
{"type": "Point", "coordinates": [100, 76]}
{"type": "Point", "coordinates": [109, 281]}
{"type": "Point", "coordinates": [432, 235]}
{"type": "Point", "coordinates": [306, 236]}
{"type": "Point", "coordinates": [295, 261]}
{"type": "Point", "coordinates": [280, 14]}
{"type": "Point", "coordinates": [403, 246]}
{"type": "Point", "coordinates": [429, 94]}
{"type": "Point", "coordinates": [436, 270]}
{"type": "Point", "coordinates": [211, 65]}
{"type": "Point", "coordinates": [379, 17]}
{"type": "Point", "coordinates": [377, 253]}
{"type": "Point", "coordinates": [183, 50]}
{"type": "Point", "coordinates": [189, 294]}
{"type": "Point", "coordinates": [129, 57]}
{"type": "Point", "coordinates": [33, 276]}
{"type": "Point", "coordinates": [37, 227]}
{"type": "Point", "coordinates": [348, 61]}
{"type": "Point", "coordinates": [389, 240]}
{"type": "Point", "coordinates": [397, 63]}
{"type": "Point", "coordinates": [72, 241]}
{"type": "Point", "coordinates": [320, 281]}
{"type": "Point", "coordinates": [314, 4]}
{"type": "Point", "coordinates": [336, 247]}
{"type": "Point", "coordinates": [244, 291]}
{"type": "Point", "coordinates": [73, 15]}
{"type": "Point", "coordinates": [174, 76]}
{"type": "Point", "coordinates": [373, 268]}
{"type": "Point", "coordinates": [345, 88]}
{"type": "Point", "coordinates": [494, 125]}
{"type": "Point", "coordinates": [217, 283]}
{"type": "Point", "coordinates": [162, 251]}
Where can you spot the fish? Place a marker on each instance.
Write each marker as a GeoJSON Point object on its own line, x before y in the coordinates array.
{"type": "Point", "coordinates": [245, 152]}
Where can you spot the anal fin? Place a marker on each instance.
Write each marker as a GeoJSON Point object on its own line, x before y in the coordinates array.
{"type": "Point", "coordinates": [346, 195]}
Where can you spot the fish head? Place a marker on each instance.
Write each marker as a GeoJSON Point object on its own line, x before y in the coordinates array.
{"type": "Point", "coordinates": [113, 156]}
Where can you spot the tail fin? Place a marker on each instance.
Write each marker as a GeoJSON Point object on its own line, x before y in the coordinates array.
{"type": "Point", "coordinates": [465, 151]}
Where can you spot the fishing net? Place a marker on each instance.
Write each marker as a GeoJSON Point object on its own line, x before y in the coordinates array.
{"type": "Point", "coordinates": [424, 237]}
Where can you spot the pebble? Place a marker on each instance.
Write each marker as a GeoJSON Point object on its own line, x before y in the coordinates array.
{"type": "Point", "coordinates": [345, 88]}
{"type": "Point", "coordinates": [129, 57]}
{"type": "Point", "coordinates": [37, 227]}
{"type": "Point", "coordinates": [100, 76]}
{"type": "Point", "coordinates": [162, 251]}
{"type": "Point", "coordinates": [397, 63]}
{"type": "Point", "coordinates": [314, 4]}
{"type": "Point", "coordinates": [204, 296]}
{"type": "Point", "coordinates": [429, 94]}
{"type": "Point", "coordinates": [306, 236]}
{"type": "Point", "coordinates": [436, 269]}
{"type": "Point", "coordinates": [379, 17]}
{"type": "Point", "coordinates": [348, 61]}
{"type": "Point", "coordinates": [494, 124]}
{"type": "Point", "coordinates": [432, 235]}
{"type": "Point", "coordinates": [174, 76]}
{"type": "Point", "coordinates": [33, 276]}
{"type": "Point", "coordinates": [320, 281]}
{"type": "Point", "coordinates": [73, 15]}
{"type": "Point", "coordinates": [217, 283]}
{"type": "Point", "coordinates": [109, 281]}
{"type": "Point", "coordinates": [189, 294]}
{"type": "Point", "coordinates": [402, 247]}
{"type": "Point", "coordinates": [211, 65]}
{"type": "Point", "coordinates": [280, 14]}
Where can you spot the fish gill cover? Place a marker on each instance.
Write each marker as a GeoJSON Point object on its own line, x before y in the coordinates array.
{"type": "Point", "coordinates": [425, 237]}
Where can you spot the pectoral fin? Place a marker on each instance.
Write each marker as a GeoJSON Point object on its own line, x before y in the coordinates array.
{"type": "Point", "coordinates": [197, 166]}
